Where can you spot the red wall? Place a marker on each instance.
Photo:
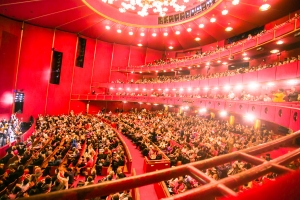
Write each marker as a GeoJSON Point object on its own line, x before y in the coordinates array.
{"type": "Point", "coordinates": [65, 43]}
{"type": "Point", "coordinates": [34, 70]}
{"type": "Point", "coordinates": [10, 32]}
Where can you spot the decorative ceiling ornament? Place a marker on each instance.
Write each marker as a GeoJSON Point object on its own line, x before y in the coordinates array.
{"type": "Point", "coordinates": [158, 6]}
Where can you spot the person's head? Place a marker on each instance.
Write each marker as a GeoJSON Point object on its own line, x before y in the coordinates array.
{"type": "Point", "coordinates": [115, 197]}
{"type": "Point", "coordinates": [293, 89]}
{"type": "Point", "coordinates": [25, 181]}
{"type": "Point", "coordinates": [48, 180]}
{"type": "Point", "coordinates": [90, 179]}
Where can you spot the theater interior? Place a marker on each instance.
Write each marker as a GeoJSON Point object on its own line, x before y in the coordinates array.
{"type": "Point", "coordinates": [204, 86]}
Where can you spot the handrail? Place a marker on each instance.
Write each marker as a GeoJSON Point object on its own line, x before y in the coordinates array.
{"type": "Point", "coordinates": [104, 85]}
{"type": "Point", "coordinates": [222, 186]}
{"type": "Point", "coordinates": [128, 155]}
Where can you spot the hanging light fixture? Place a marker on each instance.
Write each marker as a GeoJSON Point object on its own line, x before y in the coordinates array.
{"type": "Point", "coordinates": [158, 6]}
{"type": "Point", "coordinates": [265, 6]}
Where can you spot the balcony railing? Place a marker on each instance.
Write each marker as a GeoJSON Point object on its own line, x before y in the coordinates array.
{"type": "Point", "coordinates": [284, 29]}
{"type": "Point", "coordinates": [283, 72]}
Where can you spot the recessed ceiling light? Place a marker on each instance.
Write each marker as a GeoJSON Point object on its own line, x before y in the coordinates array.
{"type": "Point", "coordinates": [107, 27]}
{"type": "Point", "coordinates": [165, 33]}
{"type": "Point", "coordinates": [274, 51]}
{"type": "Point", "coordinates": [142, 34]}
{"type": "Point", "coordinates": [265, 7]}
{"type": "Point", "coordinates": [140, 45]}
{"type": "Point", "coordinates": [130, 33]}
{"type": "Point", "coordinates": [154, 34]}
{"type": "Point", "coordinates": [213, 19]}
{"type": "Point", "coordinates": [224, 63]}
{"type": "Point", "coordinates": [207, 63]}
{"type": "Point", "coordinates": [244, 54]}
{"type": "Point", "coordinates": [177, 32]}
{"type": "Point", "coordinates": [170, 47]}
{"type": "Point", "coordinates": [228, 29]}
{"type": "Point", "coordinates": [219, 61]}
{"type": "Point", "coordinates": [189, 29]}
{"type": "Point", "coordinates": [197, 39]}
{"type": "Point", "coordinates": [279, 42]}
{"type": "Point", "coordinates": [246, 58]}
{"type": "Point", "coordinates": [235, 2]}
{"type": "Point", "coordinates": [201, 25]}
{"type": "Point", "coordinates": [119, 31]}
{"type": "Point", "coordinates": [224, 12]}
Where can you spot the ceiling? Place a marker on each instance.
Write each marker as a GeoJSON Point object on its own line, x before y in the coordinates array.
{"type": "Point", "coordinates": [85, 17]}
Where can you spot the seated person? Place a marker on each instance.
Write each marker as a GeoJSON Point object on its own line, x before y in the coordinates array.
{"type": "Point", "coordinates": [278, 96]}
{"type": "Point", "coordinates": [293, 95]}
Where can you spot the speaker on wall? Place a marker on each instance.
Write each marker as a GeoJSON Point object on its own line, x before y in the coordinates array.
{"type": "Point", "coordinates": [19, 102]}
{"type": "Point", "coordinates": [56, 67]}
{"type": "Point", "coordinates": [80, 52]}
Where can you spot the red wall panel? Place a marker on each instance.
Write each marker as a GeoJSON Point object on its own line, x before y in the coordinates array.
{"type": "Point", "coordinates": [10, 32]}
{"type": "Point", "coordinates": [82, 76]}
{"type": "Point", "coordinates": [78, 106]}
{"type": "Point", "coordinates": [120, 56]}
{"type": "Point", "coordinates": [152, 55]}
{"type": "Point", "coordinates": [137, 56]}
{"type": "Point", "coordinates": [102, 62]}
{"type": "Point", "coordinates": [59, 95]}
{"type": "Point", "coordinates": [34, 70]}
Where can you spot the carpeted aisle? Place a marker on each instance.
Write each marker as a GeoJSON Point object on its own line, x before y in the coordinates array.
{"type": "Point", "coordinates": [146, 192]}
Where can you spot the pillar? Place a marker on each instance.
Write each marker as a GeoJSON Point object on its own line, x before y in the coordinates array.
{"type": "Point", "coordinates": [257, 124]}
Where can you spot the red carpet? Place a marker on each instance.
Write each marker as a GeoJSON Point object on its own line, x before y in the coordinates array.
{"type": "Point", "coordinates": [146, 192]}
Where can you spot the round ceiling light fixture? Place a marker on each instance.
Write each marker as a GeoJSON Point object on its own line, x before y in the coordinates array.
{"type": "Point", "coordinates": [154, 34]}
{"type": "Point", "coordinates": [265, 6]}
{"type": "Point", "coordinates": [225, 11]}
{"type": "Point", "coordinates": [119, 31]}
{"type": "Point", "coordinates": [140, 45]}
{"type": "Point", "coordinates": [246, 58]}
{"type": "Point", "coordinates": [177, 32]}
{"type": "Point", "coordinates": [130, 33]}
{"type": "Point", "coordinates": [197, 39]}
{"type": "Point", "coordinates": [213, 19]}
{"type": "Point", "coordinates": [170, 47]}
{"type": "Point", "coordinates": [189, 29]}
{"type": "Point", "coordinates": [235, 2]}
{"type": "Point", "coordinates": [165, 33]}
{"type": "Point", "coordinates": [201, 25]}
{"type": "Point", "coordinates": [279, 42]}
{"type": "Point", "coordinates": [228, 28]}
{"type": "Point", "coordinates": [274, 51]}
{"type": "Point", "coordinates": [107, 27]}
{"type": "Point", "coordinates": [142, 34]}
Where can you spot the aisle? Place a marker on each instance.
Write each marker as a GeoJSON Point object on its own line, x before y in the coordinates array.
{"type": "Point", "coordinates": [146, 192]}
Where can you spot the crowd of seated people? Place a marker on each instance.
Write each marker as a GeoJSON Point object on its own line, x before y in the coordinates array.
{"type": "Point", "coordinates": [9, 129]}
{"type": "Point", "coordinates": [60, 150]}
{"type": "Point", "coordinates": [187, 139]}
{"type": "Point", "coordinates": [184, 78]}
{"type": "Point", "coordinates": [215, 50]}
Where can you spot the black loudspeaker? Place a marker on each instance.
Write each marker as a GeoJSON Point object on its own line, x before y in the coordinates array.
{"type": "Point", "coordinates": [80, 52]}
{"type": "Point", "coordinates": [284, 130]}
{"type": "Point", "coordinates": [19, 102]}
{"type": "Point", "coordinates": [56, 67]}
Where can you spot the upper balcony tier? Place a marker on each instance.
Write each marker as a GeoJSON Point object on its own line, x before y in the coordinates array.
{"type": "Point", "coordinates": [269, 36]}
{"type": "Point", "coordinates": [289, 72]}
